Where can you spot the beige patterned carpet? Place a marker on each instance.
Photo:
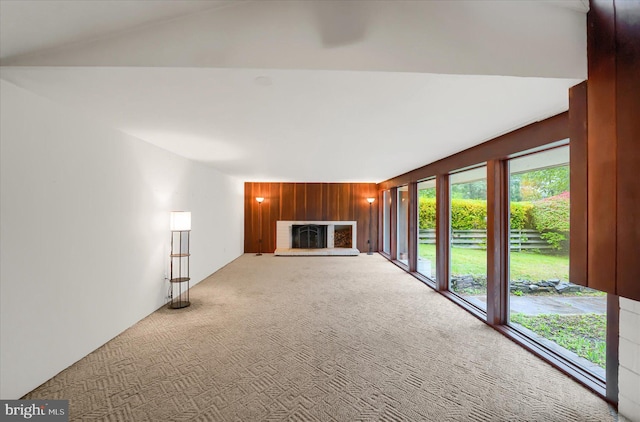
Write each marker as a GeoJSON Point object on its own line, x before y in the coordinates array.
{"type": "Point", "coordinates": [316, 339]}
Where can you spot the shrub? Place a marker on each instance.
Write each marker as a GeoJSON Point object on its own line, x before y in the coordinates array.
{"type": "Point", "coordinates": [468, 214]}
{"type": "Point", "coordinates": [427, 213]}
{"type": "Point", "coordinates": [550, 217]}
{"type": "Point", "coordinates": [521, 215]}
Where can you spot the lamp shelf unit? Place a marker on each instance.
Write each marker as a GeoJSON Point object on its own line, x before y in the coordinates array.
{"type": "Point", "coordinates": [179, 260]}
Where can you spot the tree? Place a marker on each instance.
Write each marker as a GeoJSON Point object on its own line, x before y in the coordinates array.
{"type": "Point", "coordinates": [471, 190]}
{"type": "Point", "coordinates": [427, 193]}
{"type": "Point", "coordinates": [544, 183]}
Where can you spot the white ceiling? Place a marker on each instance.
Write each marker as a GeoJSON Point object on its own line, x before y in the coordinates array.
{"type": "Point", "coordinates": [368, 90]}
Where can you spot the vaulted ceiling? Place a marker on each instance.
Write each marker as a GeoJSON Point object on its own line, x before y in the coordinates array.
{"type": "Point", "coordinates": [327, 91]}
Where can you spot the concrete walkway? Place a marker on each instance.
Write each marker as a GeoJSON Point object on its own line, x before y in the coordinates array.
{"type": "Point", "coordinates": [564, 305]}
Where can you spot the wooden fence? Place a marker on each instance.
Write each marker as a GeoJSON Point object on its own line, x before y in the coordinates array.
{"type": "Point", "coordinates": [477, 239]}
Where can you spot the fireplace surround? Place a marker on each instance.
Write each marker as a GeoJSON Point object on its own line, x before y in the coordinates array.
{"type": "Point", "coordinates": [308, 238]}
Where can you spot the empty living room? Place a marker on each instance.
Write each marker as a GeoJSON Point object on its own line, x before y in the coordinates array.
{"type": "Point", "coordinates": [319, 210]}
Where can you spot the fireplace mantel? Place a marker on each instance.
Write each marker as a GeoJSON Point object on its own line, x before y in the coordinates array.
{"type": "Point", "coordinates": [284, 241]}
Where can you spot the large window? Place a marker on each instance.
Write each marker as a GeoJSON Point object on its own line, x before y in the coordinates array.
{"type": "Point", "coordinates": [403, 224]}
{"type": "Point", "coordinates": [427, 228]}
{"type": "Point", "coordinates": [543, 303]}
{"type": "Point", "coordinates": [468, 222]}
{"type": "Point", "coordinates": [507, 260]}
{"type": "Point", "coordinates": [386, 222]}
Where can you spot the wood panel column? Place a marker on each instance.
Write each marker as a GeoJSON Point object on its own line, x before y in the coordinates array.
{"type": "Point", "coordinates": [393, 229]}
{"type": "Point", "coordinates": [579, 190]}
{"type": "Point", "coordinates": [613, 147]}
{"type": "Point", "coordinates": [443, 231]}
{"type": "Point", "coordinates": [628, 143]}
{"type": "Point", "coordinates": [498, 233]}
{"type": "Point", "coordinates": [413, 226]}
{"type": "Point", "coordinates": [601, 147]}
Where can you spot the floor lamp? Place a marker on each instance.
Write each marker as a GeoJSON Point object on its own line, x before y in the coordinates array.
{"type": "Point", "coordinates": [370, 201]}
{"type": "Point", "coordinates": [179, 267]}
{"type": "Point", "coordinates": [259, 199]}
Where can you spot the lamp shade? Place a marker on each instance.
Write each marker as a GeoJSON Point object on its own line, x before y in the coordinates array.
{"type": "Point", "coordinates": [370, 200]}
{"type": "Point", "coordinates": [180, 221]}
{"type": "Point", "coordinates": [259, 199]}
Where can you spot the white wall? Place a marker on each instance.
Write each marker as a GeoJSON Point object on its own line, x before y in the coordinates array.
{"type": "Point", "coordinates": [84, 233]}
{"type": "Point", "coordinates": [629, 369]}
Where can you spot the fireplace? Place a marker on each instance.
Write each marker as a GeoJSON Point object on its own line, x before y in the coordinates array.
{"type": "Point", "coordinates": [316, 238]}
{"type": "Point", "coordinates": [308, 236]}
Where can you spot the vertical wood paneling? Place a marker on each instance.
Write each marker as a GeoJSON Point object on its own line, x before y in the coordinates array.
{"type": "Point", "coordinates": [353, 206]}
{"type": "Point", "coordinates": [313, 203]}
{"type": "Point", "coordinates": [375, 246]}
{"type": "Point", "coordinates": [273, 205]}
{"type": "Point", "coordinates": [300, 200]}
{"type": "Point", "coordinates": [628, 154]}
{"type": "Point", "coordinates": [334, 191]}
{"type": "Point", "coordinates": [498, 233]}
{"type": "Point", "coordinates": [579, 193]}
{"type": "Point", "coordinates": [287, 202]}
{"type": "Point", "coordinates": [613, 156]}
{"type": "Point", "coordinates": [248, 216]}
{"type": "Point", "coordinates": [307, 201]}
{"type": "Point", "coordinates": [601, 147]}
{"type": "Point", "coordinates": [345, 204]}
{"type": "Point", "coordinates": [361, 210]}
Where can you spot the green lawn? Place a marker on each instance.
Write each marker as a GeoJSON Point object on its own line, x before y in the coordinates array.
{"type": "Point", "coordinates": [524, 265]}
{"type": "Point", "coordinates": [585, 335]}
{"type": "Point", "coordinates": [581, 334]}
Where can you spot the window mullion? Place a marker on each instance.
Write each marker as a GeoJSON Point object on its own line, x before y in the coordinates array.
{"type": "Point", "coordinates": [443, 226]}
{"type": "Point", "coordinates": [498, 234]}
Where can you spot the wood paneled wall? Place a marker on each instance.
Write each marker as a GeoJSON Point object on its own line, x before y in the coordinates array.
{"type": "Point", "coordinates": [307, 201]}
{"type": "Point", "coordinates": [613, 147]}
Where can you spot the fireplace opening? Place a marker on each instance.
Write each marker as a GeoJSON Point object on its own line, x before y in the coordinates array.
{"type": "Point", "coordinates": [309, 236]}
{"type": "Point", "coordinates": [343, 236]}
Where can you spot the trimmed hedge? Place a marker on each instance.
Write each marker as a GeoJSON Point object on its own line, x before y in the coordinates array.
{"type": "Point", "coordinates": [471, 214]}
{"type": "Point", "coordinates": [549, 216]}
{"type": "Point", "coordinates": [427, 213]}
{"type": "Point", "coordinates": [521, 215]}
{"type": "Point", "coordinates": [468, 214]}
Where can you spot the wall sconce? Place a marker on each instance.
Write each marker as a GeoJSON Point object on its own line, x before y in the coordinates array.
{"type": "Point", "coordinates": [180, 226]}
{"type": "Point", "coordinates": [370, 201]}
{"type": "Point", "coordinates": [260, 199]}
